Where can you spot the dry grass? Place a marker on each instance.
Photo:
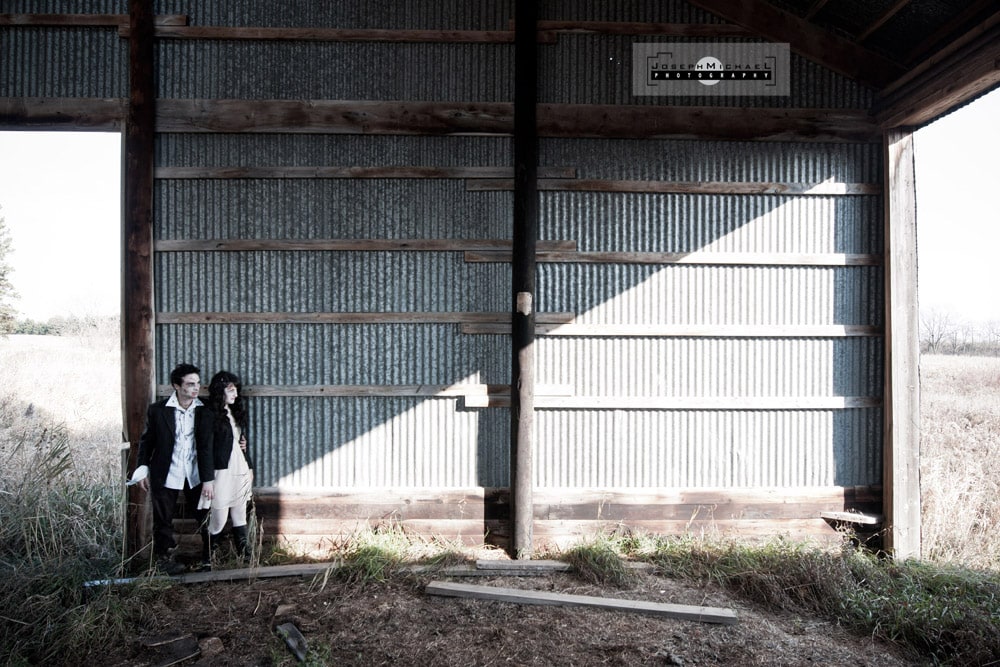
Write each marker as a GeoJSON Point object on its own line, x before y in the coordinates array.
{"type": "Point", "coordinates": [960, 460]}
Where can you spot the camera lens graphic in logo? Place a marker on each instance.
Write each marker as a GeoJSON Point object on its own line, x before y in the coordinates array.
{"type": "Point", "coordinates": [709, 64]}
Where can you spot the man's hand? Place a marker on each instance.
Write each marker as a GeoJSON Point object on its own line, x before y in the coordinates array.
{"type": "Point", "coordinates": [143, 484]}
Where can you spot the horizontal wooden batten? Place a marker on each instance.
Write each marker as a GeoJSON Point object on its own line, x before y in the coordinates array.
{"type": "Point", "coordinates": [85, 20]}
{"type": "Point", "coordinates": [447, 118]}
{"type": "Point", "coordinates": [406, 390]}
{"type": "Point", "coordinates": [352, 172]}
{"type": "Point", "coordinates": [694, 258]}
{"type": "Point", "coordinates": [639, 28]}
{"type": "Point", "coordinates": [684, 187]}
{"type": "Point", "coordinates": [349, 318]}
{"type": "Point", "coordinates": [497, 119]}
{"type": "Point", "coordinates": [686, 330]}
{"type": "Point", "coordinates": [360, 245]}
{"type": "Point", "coordinates": [562, 514]}
{"type": "Point", "coordinates": [337, 34]}
{"type": "Point", "coordinates": [62, 113]}
{"type": "Point", "coordinates": [714, 403]}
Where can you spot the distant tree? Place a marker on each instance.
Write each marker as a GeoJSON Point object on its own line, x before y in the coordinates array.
{"type": "Point", "coordinates": [936, 328]}
{"type": "Point", "coordinates": [7, 293]}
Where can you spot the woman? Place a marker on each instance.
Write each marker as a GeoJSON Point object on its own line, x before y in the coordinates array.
{"type": "Point", "coordinates": [224, 461]}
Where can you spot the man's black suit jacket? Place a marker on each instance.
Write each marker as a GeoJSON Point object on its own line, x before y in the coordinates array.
{"type": "Point", "coordinates": [156, 445]}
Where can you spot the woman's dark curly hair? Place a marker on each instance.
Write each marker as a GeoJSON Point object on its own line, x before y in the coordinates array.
{"type": "Point", "coordinates": [217, 399]}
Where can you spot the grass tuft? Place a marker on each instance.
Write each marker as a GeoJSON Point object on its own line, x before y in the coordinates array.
{"type": "Point", "coordinates": [599, 561]}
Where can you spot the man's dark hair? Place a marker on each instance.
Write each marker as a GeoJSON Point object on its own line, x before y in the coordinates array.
{"type": "Point", "coordinates": [177, 375]}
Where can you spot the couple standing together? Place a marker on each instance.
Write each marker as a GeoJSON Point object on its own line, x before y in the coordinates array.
{"type": "Point", "coordinates": [199, 449]}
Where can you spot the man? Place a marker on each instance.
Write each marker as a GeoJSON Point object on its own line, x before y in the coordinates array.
{"type": "Point", "coordinates": [167, 463]}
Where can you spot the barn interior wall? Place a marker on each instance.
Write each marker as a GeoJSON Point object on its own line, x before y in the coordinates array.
{"type": "Point", "coordinates": [653, 409]}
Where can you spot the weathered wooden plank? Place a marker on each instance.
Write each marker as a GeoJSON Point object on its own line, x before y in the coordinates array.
{"type": "Point", "coordinates": [542, 565]}
{"type": "Point", "coordinates": [694, 258]}
{"type": "Point", "coordinates": [859, 518]}
{"type": "Point", "coordinates": [334, 34]}
{"type": "Point", "coordinates": [685, 331]}
{"type": "Point", "coordinates": [725, 123]}
{"type": "Point", "coordinates": [945, 81]}
{"type": "Point", "coordinates": [901, 425]}
{"type": "Point", "coordinates": [388, 390]}
{"type": "Point", "coordinates": [708, 30]}
{"type": "Point", "coordinates": [63, 113]}
{"type": "Point", "coordinates": [684, 403]}
{"type": "Point", "coordinates": [363, 245]}
{"type": "Point", "coordinates": [677, 611]}
{"type": "Point", "coordinates": [496, 118]}
{"type": "Point", "coordinates": [85, 20]}
{"type": "Point", "coordinates": [346, 318]}
{"type": "Point", "coordinates": [683, 187]}
{"type": "Point", "coordinates": [358, 172]}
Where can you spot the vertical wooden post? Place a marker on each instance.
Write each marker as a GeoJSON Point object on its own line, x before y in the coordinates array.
{"type": "Point", "coordinates": [137, 249]}
{"type": "Point", "coordinates": [522, 391]}
{"type": "Point", "coordinates": [901, 458]}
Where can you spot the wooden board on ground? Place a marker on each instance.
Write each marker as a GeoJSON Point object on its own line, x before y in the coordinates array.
{"type": "Point", "coordinates": [541, 566]}
{"type": "Point", "coordinates": [677, 611]}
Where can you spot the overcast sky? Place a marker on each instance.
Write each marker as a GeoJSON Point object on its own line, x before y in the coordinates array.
{"type": "Point", "coordinates": [60, 196]}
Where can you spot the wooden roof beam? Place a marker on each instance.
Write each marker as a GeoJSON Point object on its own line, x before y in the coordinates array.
{"type": "Point", "coordinates": [881, 20]}
{"type": "Point", "coordinates": [827, 49]}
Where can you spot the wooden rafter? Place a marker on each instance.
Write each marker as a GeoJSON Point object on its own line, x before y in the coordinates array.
{"type": "Point", "coordinates": [883, 18]}
{"type": "Point", "coordinates": [814, 8]}
{"type": "Point", "coordinates": [827, 49]}
{"type": "Point", "coordinates": [959, 24]}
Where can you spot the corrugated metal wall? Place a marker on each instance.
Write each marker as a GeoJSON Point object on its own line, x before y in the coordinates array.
{"type": "Point", "coordinates": [307, 442]}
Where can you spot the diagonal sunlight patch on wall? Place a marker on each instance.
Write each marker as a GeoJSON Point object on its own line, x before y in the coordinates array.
{"type": "Point", "coordinates": [428, 444]}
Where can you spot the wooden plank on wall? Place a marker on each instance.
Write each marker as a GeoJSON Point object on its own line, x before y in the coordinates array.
{"type": "Point", "coordinates": [901, 454]}
{"type": "Point", "coordinates": [687, 330]}
{"type": "Point", "coordinates": [707, 30]}
{"type": "Point", "coordinates": [386, 390]}
{"type": "Point", "coordinates": [683, 403]}
{"type": "Point", "coordinates": [410, 317]}
{"type": "Point", "coordinates": [50, 114]}
{"type": "Point", "coordinates": [85, 20]}
{"type": "Point", "coordinates": [353, 172]}
{"type": "Point", "coordinates": [684, 187]}
{"type": "Point", "coordinates": [360, 245]}
{"type": "Point", "coordinates": [496, 118]}
{"type": "Point", "coordinates": [334, 34]}
{"type": "Point", "coordinates": [448, 118]}
{"type": "Point", "coordinates": [692, 258]}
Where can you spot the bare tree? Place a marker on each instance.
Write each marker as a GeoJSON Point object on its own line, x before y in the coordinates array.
{"type": "Point", "coordinates": [936, 328]}
{"type": "Point", "coordinates": [7, 293]}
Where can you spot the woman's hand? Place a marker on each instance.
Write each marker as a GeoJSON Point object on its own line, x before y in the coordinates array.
{"type": "Point", "coordinates": [243, 442]}
{"type": "Point", "coordinates": [208, 490]}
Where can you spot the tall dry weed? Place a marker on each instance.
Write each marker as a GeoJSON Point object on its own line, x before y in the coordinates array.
{"type": "Point", "coordinates": [960, 460]}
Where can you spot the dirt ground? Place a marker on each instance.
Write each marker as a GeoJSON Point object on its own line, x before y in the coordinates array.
{"type": "Point", "coordinates": [398, 623]}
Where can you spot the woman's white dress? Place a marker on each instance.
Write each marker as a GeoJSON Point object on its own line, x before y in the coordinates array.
{"type": "Point", "coordinates": [233, 485]}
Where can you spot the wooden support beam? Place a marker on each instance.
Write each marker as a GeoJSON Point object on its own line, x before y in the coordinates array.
{"type": "Point", "coordinates": [901, 454]}
{"type": "Point", "coordinates": [690, 258]}
{"type": "Point", "coordinates": [137, 335]}
{"type": "Point", "coordinates": [523, 270]}
{"type": "Point", "coordinates": [684, 187]}
{"type": "Point", "coordinates": [676, 611]}
{"type": "Point", "coordinates": [353, 172]}
{"type": "Point", "coordinates": [826, 48]}
{"type": "Point", "coordinates": [348, 245]}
